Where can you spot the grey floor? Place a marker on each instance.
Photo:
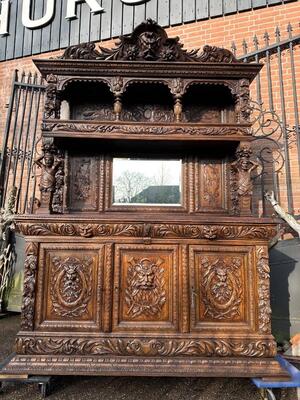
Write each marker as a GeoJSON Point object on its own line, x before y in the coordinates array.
{"type": "Point", "coordinates": [108, 388]}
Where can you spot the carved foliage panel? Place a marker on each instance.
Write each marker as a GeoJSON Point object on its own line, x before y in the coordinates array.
{"type": "Point", "coordinates": [211, 185]}
{"type": "Point", "coordinates": [145, 287]}
{"type": "Point", "coordinates": [83, 183]}
{"type": "Point", "coordinates": [221, 278]}
{"type": "Point", "coordinates": [70, 281]}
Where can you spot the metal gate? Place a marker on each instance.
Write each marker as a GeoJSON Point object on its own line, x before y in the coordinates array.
{"type": "Point", "coordinates": [20, 141]}
{"type": "Point", "coordinates": [275, 114]}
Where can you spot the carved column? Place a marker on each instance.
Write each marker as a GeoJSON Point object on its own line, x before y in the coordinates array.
{"type": "Point", "coordinates": [28, 304]}
{"type": "Point", "coordinates": [117, 86]}
{"type": "Point", "coordinates": [241, 182]}
{"type": "Point", "coordinates": [177, 90]}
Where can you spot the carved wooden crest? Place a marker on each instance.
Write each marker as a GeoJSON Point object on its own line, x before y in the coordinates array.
{"type": "Point", "coordinates": [149, 42]}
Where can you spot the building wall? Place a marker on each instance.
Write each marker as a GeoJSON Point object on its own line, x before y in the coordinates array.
{"type": "Point", "coordinates": [222, 32]}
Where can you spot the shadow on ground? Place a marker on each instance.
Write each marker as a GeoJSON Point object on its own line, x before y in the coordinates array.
{"type": "Point", "coordinates": [112, 388]}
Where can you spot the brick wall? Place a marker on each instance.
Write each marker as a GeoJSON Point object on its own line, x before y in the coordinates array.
{"type": "Point", "coordinates": [220, 32]}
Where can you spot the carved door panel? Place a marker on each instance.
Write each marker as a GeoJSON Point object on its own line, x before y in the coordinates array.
{"type": "Point", "coordinates": [222, 280]}
{"type": "Point", "coordinates": [70, 278]}
{"type": "Point", "coordinates": [146, 288]}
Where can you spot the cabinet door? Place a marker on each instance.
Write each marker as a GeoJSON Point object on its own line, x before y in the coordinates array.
{"type": "Point", "coordinates": [222, 279]}
{"type": "Point", "coordinates": [69, 287]}
{"type": "Point", "coordinates": [146, 288]}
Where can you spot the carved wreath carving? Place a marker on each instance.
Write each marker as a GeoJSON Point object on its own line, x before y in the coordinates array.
{"type": "Point", "coordinates": [149, 42]}
{"type": "Point", "coordinates": [71, 286]}
{"type": "Point", "coordinates": [145, 293]}
{"type": "Point", "coordinates": [152, 347]}
{"type": "Point", "coordinates": [222, 287]}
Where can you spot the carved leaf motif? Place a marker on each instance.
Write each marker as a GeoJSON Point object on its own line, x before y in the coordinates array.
{"type": "Point", "coordinates": [156, 231]}
{"type": "Point", "coordinates": [145, 293]}
{"type": "Point", "coordinates": [264, 309]}
{"type": "Point", "coordinates": [221, 287]}
{"type": "Point", "coordinates": [152, 347]}
{"type": "Point", "coordinates": [71, 286]}
{"type": "Point", "coordinates": [30, 268]}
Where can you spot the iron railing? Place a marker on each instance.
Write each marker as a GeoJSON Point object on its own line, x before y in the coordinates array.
{"type": "Point", "coordinates": [20, 140]}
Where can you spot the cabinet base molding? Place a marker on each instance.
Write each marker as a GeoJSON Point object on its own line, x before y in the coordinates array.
{"type": "Point", "coordinates": [143, 366]}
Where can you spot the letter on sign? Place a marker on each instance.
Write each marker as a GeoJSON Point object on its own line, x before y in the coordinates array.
{"type": "Point", "coordinates": [71, 7]}
{"type": "Point", "coordinates": [4, 16]}
{"type": "Point", "coordinates": [133, 2]}
{"type": "Point", "coordinates": [30, 23]}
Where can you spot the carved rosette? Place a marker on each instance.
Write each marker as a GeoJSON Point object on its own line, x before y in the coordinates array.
{"type": "Point", "coordinates": [28, 304]}
{"type": "Point", "coordinates": [221, 287]}
{"type": "Point", "coordinates": [146, 347]}
{"type": "Point", "coordinates": [211, 232]}
{"type": "Point", "coordinates": [71, 286]}
{"type": "Point", "coordinates": [264, 309]}
{"type": "Point", "coordinates": [145, 292]}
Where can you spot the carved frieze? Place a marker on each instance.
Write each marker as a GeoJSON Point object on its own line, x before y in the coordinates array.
{"type": "Point", "coordinates": [71, 286]}
{"type": "Point", "coordinates": [264, 309]}
{"type": "Point", "coordinates": [149, 42]}
{"type": "Point", "coordinates": [145, 292]}
{"type": "Point", "coordinates": [28, 304]}
{"type": "Point", "coordinates": [221, 287]}
{"type": "Point", "coordinates": [147, 347]}
{"type": "Point", "coordinates": [145, 130]}
{"type": "Point", "coordinates": [154, 230]}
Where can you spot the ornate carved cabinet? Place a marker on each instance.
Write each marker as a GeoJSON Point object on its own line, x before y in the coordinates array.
{"type": "Point", "coordinates": [143, 256]}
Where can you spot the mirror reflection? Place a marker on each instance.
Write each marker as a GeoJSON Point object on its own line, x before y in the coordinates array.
{"type": "Point", "coordinates": [146, 182]}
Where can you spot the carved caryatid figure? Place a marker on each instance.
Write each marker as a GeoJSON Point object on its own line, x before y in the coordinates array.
{"type": "Point", "coordinates": [49, 162]}
{"type": "Point", "coordinates": [242, 187]}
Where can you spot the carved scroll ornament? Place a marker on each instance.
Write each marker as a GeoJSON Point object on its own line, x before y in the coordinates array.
{"type": "Point", "coordinates": [149, 42]}
{"type": "Point", "coordinates": [264, 309]}
{"type": "Point", "coordinates": [146, 347]}
{"type": "Point", "coordinates": [211, 232]}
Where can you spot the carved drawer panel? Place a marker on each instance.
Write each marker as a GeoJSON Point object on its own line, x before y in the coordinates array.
{"type": "Point", "coordinates": [146, 288]}
{"type": "Point", "coordinates": [69, 287]}
{"type": "Point", "coordinates": [222, 283]}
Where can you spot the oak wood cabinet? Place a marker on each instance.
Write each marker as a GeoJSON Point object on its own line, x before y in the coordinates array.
{"type": "Point", "coordinates": [168, 275]}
